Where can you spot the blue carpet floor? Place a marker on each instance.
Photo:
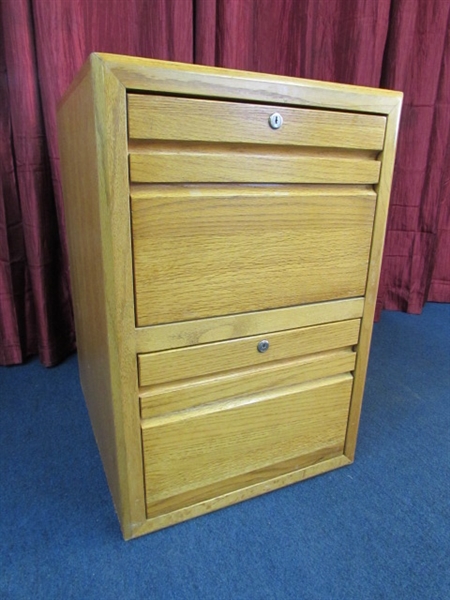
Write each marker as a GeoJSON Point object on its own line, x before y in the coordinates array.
{"type": "Point", "coordinates": [378, 529]}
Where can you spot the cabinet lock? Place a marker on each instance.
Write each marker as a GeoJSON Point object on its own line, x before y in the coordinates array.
{"type": "Point", "coordinates": [263, 346]}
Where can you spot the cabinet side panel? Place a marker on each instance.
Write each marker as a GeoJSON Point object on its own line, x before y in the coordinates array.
{"type": "Point", "coordinates": [114, 206]}
{"type": "Point", "coordinates": [79, 169]}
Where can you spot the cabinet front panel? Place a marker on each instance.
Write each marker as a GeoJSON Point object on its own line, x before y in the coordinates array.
{"type": "Point", "coordinates": [196, 361]}
{"type": "Point", "coordinates": [187, 119]}
{"type": "Point", "coordinates": [203, 251]}
{"type": "Point", "coordinates": [162, 399]}
{"type": "Point", "coordinates": [192, 450]}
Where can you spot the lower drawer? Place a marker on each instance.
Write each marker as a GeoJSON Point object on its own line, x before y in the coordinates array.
{"type": "Point", "coordinates": [162, 399]}
{"type": "Point", "coordinates": [211, 450]}
{"type": "Point", "coordinates": [205, 359]}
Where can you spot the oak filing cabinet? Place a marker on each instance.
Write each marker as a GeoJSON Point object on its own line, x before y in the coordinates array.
{"type": "Point", "coordinates": [225, 234]}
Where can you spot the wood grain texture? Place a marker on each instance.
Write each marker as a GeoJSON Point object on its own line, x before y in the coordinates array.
{"type": "Point", "coordinates": [148, 75]}
{"type": "Point", "coordinates": [379, 231]}
{"type": "Point", "coordinates": [317, 463]}
{"type": "Point", "coordinates": [192, 333]}
{"type": "Point", "coordinates": [95, 175]}
{"type": "Point", "coordinates": [162, 399]}
{"type": "Point", "coordinates": [224, 442]}
{"type": "Point", "coordinates": [247, 248]}
{"type": "Point", "coordinates": [195, 361]}
{"type": "Point", "coordinates": [238, 166]}
{"type": "Point", "coordinates": [184, 119]}
{"type": "Point", "coordinates": [178, 275]}
{"type": "Point", "coordinates": [117, 263]}
{"type": "Point", "coordinates": [80, 179]}
{"type": "Point", "coordinates": [245, 481]}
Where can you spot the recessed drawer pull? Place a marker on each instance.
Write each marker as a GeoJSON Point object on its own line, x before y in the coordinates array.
{"type": "Point", "coordinates": [263, 346]}
{"type": "Point", "coordinates": [275, 120]}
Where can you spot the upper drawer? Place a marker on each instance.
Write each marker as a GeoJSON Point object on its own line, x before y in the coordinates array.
{"type": "Point", "coordinates": [176, 140]}
{"type": "Point", "coordinates": [187, 119]}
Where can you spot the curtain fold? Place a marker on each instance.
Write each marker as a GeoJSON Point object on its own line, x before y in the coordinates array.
{"type": "Point", "coordinates": [399, 44]}
{"type": "Point", "coordinates": [331, 40]}
{"type": "Point", "coordinates": [15, 323]}
{"type": "Point", "coordinates": [36, 297]}
{"type": "Point", "coordinates": [44, 45]}
{"type": "Point", "coordinates": [416, 263]}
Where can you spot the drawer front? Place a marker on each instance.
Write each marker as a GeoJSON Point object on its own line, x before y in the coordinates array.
{"type": "Point", "coordinates": [181, 140]}
{"type": "Point", "coordinates": [187, 119]}
{"type": "Point", "coordinates": [217, 329]}
{"type": "Point", "coordinates": [162, 399]}
{"type": "Point", "coordinates": [209, 251]}
{"type": "Point", "coordinates": [198, 165]}
{"type": "Point", "coordinates": [231, 445]}
{"type": "Point", "coordinates": [219, 357]}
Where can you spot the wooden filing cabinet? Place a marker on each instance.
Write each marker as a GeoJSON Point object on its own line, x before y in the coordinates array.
{"type": "Point", "coordinates": [225, 234]}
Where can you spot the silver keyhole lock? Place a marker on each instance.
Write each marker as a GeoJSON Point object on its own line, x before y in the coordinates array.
{"type": "Point", "coordinates": [263, 346]}
{"type": "Point", "coordinates": [275, 121]}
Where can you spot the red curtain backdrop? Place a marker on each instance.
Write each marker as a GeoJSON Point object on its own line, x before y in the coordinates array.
{"type": "Point", "coordinates": [45, 42]}
{"type": "Point", "coordinates": [416, 265]}
{"type": "Point", "coordinates": [399, 44]}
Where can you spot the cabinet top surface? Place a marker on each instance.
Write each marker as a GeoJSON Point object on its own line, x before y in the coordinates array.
{"type": "Point", "coordinates": [158, 76]}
